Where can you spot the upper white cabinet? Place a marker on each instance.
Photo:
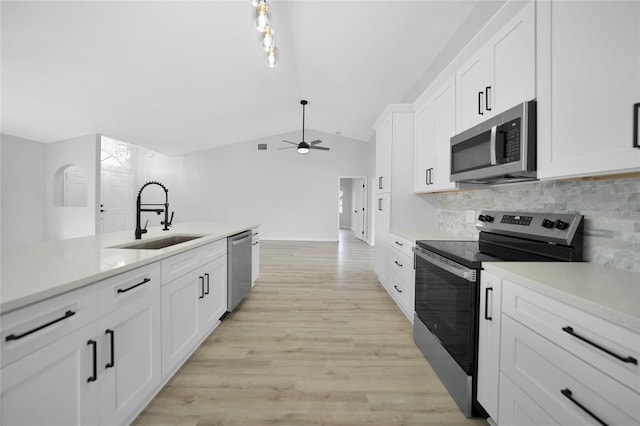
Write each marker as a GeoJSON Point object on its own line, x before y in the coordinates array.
{"type": "Point", "coordinates": [501, 74]}
{"type": "Point", "coordinates": [435, 120]}
{"type": "Point", "coordinates": [384, 140]}
{"type": "Point", "coordinates": [588, 82]}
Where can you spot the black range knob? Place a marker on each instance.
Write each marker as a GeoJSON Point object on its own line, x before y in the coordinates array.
{"type": "Point", "coordinates": [546, 223]}
{"type": "Point", "coordinates": [561, 224]}
{"type": "Point", "coordinates": [485, 218]}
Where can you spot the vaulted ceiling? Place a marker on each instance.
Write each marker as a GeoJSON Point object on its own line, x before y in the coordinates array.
{"type": "Point", "coordinates": [182, 76]}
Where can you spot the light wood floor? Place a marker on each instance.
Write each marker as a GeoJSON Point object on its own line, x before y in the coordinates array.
{"type": "Point", "coordinates": [317, 342]}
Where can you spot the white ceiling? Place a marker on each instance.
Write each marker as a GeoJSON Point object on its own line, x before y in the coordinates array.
{"type": "Point", "coordinates": [182, 76]}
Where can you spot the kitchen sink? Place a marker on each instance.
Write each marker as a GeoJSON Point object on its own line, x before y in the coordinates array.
{"type": "Point", "coordinates": [159, 243]}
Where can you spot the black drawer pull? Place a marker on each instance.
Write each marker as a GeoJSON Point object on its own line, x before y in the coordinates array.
{"type": "Point", "coordinates": [111, 333]}
{"type": "Point", "coordinates": [396, 262]}
{"type": "Point", "coordinates": [94, 377]}
{"type": "Point", "coordinates": [628, 359]}
{"type": "Point", "coordinates": [207, 275]}
{"type": "Point", "coordinates": [10, 337]}
{"type": "Point", "coordinates": [636, 129]}
{"type": "Point", "coordinates": [567, 393]}
{"type": "Point", "coordinates": [400, 244]}
{"type": "Point", "coordinates": [486, 303]}
{"type": "Point", "coordinates": [397, 289]}
{"type": "Point", "coordinates": [124, 290]}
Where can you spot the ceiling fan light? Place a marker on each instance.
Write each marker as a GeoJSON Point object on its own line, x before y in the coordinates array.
{"type": "Point", "coordinates": [273, 58]}
{"type": "Point", "coordinates": [261, 16]}
{"type": "Point", "coordinates": [267, 38]}
{"type": "Point", "coordinates": [303, 148]}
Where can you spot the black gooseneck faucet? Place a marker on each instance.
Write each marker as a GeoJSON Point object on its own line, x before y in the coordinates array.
{"type": "Point", "coordinates": [167, 222]}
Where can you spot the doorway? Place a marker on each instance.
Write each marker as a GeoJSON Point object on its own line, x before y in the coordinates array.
{"type": "Point", "coordinates": [352, 201]}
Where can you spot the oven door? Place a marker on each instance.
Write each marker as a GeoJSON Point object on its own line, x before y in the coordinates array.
{"type": "Point", "coordinates": [446, 301]}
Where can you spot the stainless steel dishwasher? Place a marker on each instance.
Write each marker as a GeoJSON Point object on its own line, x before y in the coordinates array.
{"type": "Point", "coordinates": [238, 268]}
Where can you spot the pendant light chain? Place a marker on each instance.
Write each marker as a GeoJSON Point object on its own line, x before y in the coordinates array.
{"type": "Point", "coordinates": [267, 33]}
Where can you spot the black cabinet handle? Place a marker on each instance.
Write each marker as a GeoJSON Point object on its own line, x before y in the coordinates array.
{"type": "Point", "coordinates": [201, 287]}
{"type": "Point", "coordinates": [480, 103]}
{"type": "Point", "coordinates": [111, 334]}
{"type": "Point", "coordinates": [628, 359]}
{"type": "Point", "coordinates": [400, 244]}
{"type": "Point", "coordinates": [636, 128]}
{"type": "Point", "coordinates": [380, 182]}
{"type": "Point", "coordinates": [67, 314]}
{"type": "Point", "coordinates": [396, 262]}
{"type": "Point", "coordinates": [486, 303]}
{"type": "Point", "coordinates": [207, 275]}
{"type": "Point", "coordinates": [397, 289]}
{"type": "Point", "coordinates": [569, 395]}
{"type": "Point", "coordinates": [94, 377]}
{"type": "Point", "coordinates": [486, 98]}
{"type": "Point", "coordinates": [124, 290]}
{"type": "Point", "coordinates": [380, 204]}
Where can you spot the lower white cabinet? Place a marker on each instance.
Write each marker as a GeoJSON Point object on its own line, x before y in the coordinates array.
{"type": "Point", "coordinates": [191, 307]}
{"type": "Point", "coordinates": [255, 256]}
{"type": "Point", "coordinates": [489, 343]}
{"type": "Point", "coordinates": [103, 373]}
{"type": "Point", "coordinates": [543, 361]}
{"type": "Point", "coordinates": [401, 276]}
{"type": "Point", "coordinates": [55, 385]}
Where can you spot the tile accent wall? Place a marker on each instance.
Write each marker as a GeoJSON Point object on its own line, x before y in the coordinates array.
{"type": "Point", "coordinates": [611, 209]}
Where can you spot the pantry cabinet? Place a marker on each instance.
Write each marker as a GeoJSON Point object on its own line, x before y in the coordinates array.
{"type": "Point", "coordinates": [434, 126]}
{"type": "Point", "coordinates": [588, 82]}
{"type": "Point", "coordinates": [382, 228]}
{"type": "Point", "coordinates": [501, 74]}
{"type": "Point", "coordinates": [384, 142]}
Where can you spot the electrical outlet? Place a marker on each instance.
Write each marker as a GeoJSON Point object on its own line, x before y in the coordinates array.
{"type": "Point", "coordinates": [471, 216]}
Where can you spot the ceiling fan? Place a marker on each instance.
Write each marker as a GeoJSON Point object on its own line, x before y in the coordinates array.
{"type": "Point", "coordinates": [304, 147]}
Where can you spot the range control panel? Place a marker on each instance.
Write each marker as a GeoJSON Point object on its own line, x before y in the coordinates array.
{"type": "Point", "coordinates": [552, 227]}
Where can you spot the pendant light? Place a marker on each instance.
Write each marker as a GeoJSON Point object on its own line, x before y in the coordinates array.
{"type": "Point", "coordinates": [273, 58]}
{"type": "Point", "coordinates": [267, 39]}
{"type": "Point", "coordinates": [261, 16]}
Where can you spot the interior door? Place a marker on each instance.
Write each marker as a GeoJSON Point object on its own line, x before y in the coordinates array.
{"type": "Point", "coordinates": [116, 209]}
{"type": "Point", "coordinates": [358, 220]}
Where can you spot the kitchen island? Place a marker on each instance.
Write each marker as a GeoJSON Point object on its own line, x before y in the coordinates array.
{"type": "Point", "coordinates": [92, 328]}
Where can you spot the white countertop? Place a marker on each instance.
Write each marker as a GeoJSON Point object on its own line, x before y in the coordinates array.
{"type": "Point", "coordinates": [37, 272]}
{"type": "Point", "coordinates": [612, 294]}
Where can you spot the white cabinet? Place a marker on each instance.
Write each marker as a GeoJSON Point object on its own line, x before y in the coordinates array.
{"type": "Point", "coordinates": [255, 256]}
{"type": "Point", "coordinates": [557, 364]}
{"type": "Point", "coordinates": [588, 82]}
{"type": "Point", "coordinates": [401, 277]}
{"type": "Point", "coordinates": [501, 74]}
{"type": "Point", "coordinates": [129, 368]}
{"type": "Point", "coordinates": [383, 225]}
{"type": "Point", "coordinates": [489, 343]}
{"type": "Point", "coordinates": [102, 373]}
{"type": "Point", "coordinates": [435, 120]}
{"type": "Point", "coordinates": [52, 385]}
{"type": "Point", "coordinates": [384, 140]}
{"type": "Point", "coordinates": [193, 303]}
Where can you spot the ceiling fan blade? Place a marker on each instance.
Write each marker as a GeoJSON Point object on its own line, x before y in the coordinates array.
{"type": "Point", "coordinates": [320, 148]}
{"type": "Point", "coordinates": [292, 143]}
{"type": "Point", "coordinates": [288, 147]}
{"type": "Point", "coordinates": [317, 141]}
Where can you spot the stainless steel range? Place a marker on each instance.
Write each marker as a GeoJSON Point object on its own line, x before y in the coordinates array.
{"type": "Point", "coordinates": [448, 280]}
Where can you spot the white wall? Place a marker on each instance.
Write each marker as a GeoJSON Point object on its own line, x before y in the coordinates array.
{"type": "Point", "coordinates": [71, 222]}
{"type": "Point", "coordinates": [292, 196]}
{"type": "Point", "coordinates": [22, 171]}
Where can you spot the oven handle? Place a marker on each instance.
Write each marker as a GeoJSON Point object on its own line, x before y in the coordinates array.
{"type": "Point", "coordinates": [448, 265]}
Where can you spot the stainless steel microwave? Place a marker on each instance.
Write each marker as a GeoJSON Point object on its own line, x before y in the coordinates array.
{"type": "Point", "coordinates": [499, 150]}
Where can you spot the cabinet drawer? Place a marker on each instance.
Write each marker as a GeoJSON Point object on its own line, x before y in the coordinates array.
{"type": "Point", "coordinates": [551, 318]}
{"type": "Point", "coordinates": [546, 372]}
{"type": "Point", "coordinates": [401, 288]}
{"type": "Point", "coordinates": [401, 263]}
{"type": "Point", "coordinates": [127, 288]}
{"type": "Point", "coordinates": [176, 266]}
{"type": "Point", "coordinates": [32, 327]}
{"type": "Point", "coordinates": [213, 251]}
{"type": "Point", "coordinates": [402, 244]}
